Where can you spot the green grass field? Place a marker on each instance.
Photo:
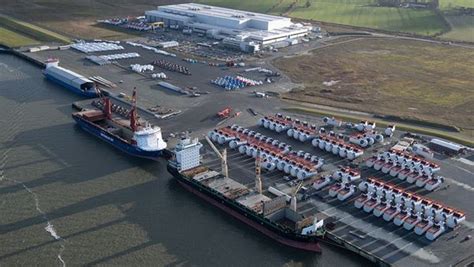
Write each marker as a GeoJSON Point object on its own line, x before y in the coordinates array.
{"type": "Point", "coordinates": [462, 28]}
{"type": "Point", "coordinates": [450, 4]}
{"type": "Point", "coordinates": [364, 13]}
{"type": "Point", "coordinates": [13, 39]}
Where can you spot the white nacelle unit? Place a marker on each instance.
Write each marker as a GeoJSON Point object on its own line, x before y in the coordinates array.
{"type": "Point", "coordinates": [401, 217]}
{"type": "Point", "coordinates": [381, 208]}
{"type": "Point", "coordinates": [332, 122]}
{"type": "Point", "coordinates": [346, 192]}
{"type": "Point", "coordinates": [412, 221]}
{"type": "Point", "coordinates": [333, 190]}
{"type": "Point", "coordinates": [361, 200]}
{"type": "Point", "coordinates": [389, 130]}
{"type": "Point", "coordinates": [322, 182]}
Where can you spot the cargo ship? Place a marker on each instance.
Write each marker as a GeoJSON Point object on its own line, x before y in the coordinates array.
{"type": "Point", "coordinates": [70, 80]}
{"type": "Point", "coordinates": [271, 216]}
{"type": "Point", "coordinates": [131, 135]}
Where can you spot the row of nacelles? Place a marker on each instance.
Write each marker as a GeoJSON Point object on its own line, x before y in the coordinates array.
{"type": "Point", "coordinates": [300, 135]}
{"type": "Point", "coordinates": [366, 140]}
{"type": "Point", "coordinates": [407, 161]}
{"type": "Point", "coordinates": [274, 125]}
{"type": "Point", "coordinates": [406, 216]}
{"type": "Point", "coordinates": [413, 202]}
{"type": "Point", "coordinates": [404, 158]}
{"type": "Point", "coordinates": [337, 148]}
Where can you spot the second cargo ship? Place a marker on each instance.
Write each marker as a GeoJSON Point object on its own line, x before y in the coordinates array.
{"type": "Point", "coordinates": [272, 217]}
{"type": "Point", "coordinates": [70, 80]}
{"type": "Point", "coordinates": [131, 135]}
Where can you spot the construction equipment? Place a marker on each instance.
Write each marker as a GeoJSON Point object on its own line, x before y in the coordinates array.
{"type": "Point", "coordinates": [222, 156]}
{"type": "Point", "coordinates": [293, 196]}
{"type": "Point", "coordinates": [225, 113]}
{"type": "Point", "coordinates": [258, 171]}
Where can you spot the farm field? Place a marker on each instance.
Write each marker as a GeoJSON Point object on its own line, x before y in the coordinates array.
{"type": "Point", "coordinates": [364, 13]}
{"type": "Point", "coordinates": [77, 19]}
{"type": "Point", "coordinates": [409, 79]}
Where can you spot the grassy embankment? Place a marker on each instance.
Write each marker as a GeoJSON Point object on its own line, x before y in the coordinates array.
{"type": "Point", "coordinates": [409, 79]}
{"type": "Point", "coordinates": [16, 33]}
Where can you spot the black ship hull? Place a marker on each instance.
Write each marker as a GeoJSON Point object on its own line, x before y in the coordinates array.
{"type": "Point", "coordinates": [256, 221]}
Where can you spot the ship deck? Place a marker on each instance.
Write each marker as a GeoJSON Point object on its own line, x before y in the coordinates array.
{"type": "Point", "coordinates": [363, 231]}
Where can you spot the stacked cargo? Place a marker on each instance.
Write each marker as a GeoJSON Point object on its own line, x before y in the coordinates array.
{"type": "Point", "coordinates": [171, 66]}
{"type": "Point", "coordinates": [233, 83]}
{"type": "Point", "coordinates": [275, 154]}
{"type": "Point", "coordinates": [335, 144]}
{"type": "Point", "coordinates": [96, 47]}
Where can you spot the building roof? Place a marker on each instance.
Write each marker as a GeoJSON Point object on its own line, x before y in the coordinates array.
{"type": "Point", "coordinates": [195, 8]}
{"type": "Point", "coordinates": [446, 144]}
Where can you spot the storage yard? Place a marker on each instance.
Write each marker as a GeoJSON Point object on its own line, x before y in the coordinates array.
{"type": "Point", "coordinates": [390, 196]}
{"type": "Point", "coordinates": [371, 236]}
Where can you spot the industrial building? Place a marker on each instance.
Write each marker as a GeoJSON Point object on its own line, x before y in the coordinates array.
{"type": "Point", "coordinates": [242, 29]}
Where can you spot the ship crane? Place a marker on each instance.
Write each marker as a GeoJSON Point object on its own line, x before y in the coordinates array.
{"type": "Point", "coordinates": [222, 156]}
{"type": "Point", "coordinates": [133, 112]}
{"type": "Point", "coordinates": [258, 171]}
{"type": "Point", "coordinates": [293, 196]}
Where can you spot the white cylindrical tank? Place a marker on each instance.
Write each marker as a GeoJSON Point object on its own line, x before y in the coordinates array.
{"type": "Point", "coordinates": [215, 137]}
{"type": "Point", "coordinates": [280, 128]}
{"type": "Point", "coordinates": [287, 168]}
{"type": "Point", "coordinates": [371, 141]}
{"type": "Point", "coordinates": [294, 171]}
{"type": "Point", "coordinates": [350, 154]}
{"type": "Point", "coordinates": [315, 142]}
{"type": "Point", "coordinates": [210, 134]}
{"type": "Point", "coordinates": [281, 165]}
{"type": "Point", "coordinates": [342, 152]}
{"type": "Point", "coordinates": [303, 137]}
{"type": "Point", "coordinates": [290, 132]}
{"type": "Point", "coordinates": [322, 144]}
{"type": "Point", "coordinates": [379, 138]}
{"type": "Point", "coordinates": [296, 134]}
{"type": "Point", "coordinates": [242, 149]}
{"type": "Point", "coordinates": [363, 143]}
{"type": "Point", "coordinates": [250, 151]}
{"type": "Point", "coordinates": [270, 166]}
{"type": "Point", "coordinates": [266, 123]}
{"type": "Point", "coordinates": [328, 147]}
{"type": "Point", "coordinates": [272, 126]}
